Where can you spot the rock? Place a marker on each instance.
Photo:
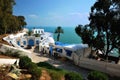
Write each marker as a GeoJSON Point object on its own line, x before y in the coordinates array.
{"type": "Point", "coordinates": [13, 75]}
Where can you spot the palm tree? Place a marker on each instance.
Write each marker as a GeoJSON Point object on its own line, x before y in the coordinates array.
{"type": "Point", "coordinates": [58, 31]}
{"type": "Point", "coordinates": [29, 33]}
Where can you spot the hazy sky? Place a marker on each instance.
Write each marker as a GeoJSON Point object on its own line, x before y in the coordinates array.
{"type": "Point", "coordinates": [54, 12]}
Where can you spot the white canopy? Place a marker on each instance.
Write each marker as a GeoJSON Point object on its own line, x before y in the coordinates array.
{"type": "Point", "coordinates": [76, 46]}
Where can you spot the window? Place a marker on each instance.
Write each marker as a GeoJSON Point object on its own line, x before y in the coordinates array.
{"type": "Point", "coordinates": [37, 42]}
{"type": "Point", "coordinates": [24, 42]}
{"type": "Point", "coordinates": [41, 38]}
{"type": "Point", "coordinates": [59, 50]}
{"type": "Point", "coordinates": [39, 31]}
{"type": "Point", "coordinates": [68, 52]}
{"type": "Point", "coordinates": [36, 32]}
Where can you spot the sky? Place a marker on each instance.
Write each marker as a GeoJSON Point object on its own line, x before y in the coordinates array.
{"type": "Point", "coordinates": [54, 12]}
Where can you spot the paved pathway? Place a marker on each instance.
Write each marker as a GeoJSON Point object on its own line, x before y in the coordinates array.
{"type": "Point", "coordinates": [63, 64]}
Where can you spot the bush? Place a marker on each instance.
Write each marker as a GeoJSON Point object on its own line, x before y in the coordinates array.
{"type": "Point", "coordinates": [23, 63]}
{"type": "Point", "coordinates": [56, 75]}
{"type": "Point", "coordinates": [34, 70]}
{"type": "Point", "coordinates": [48, 66]}
{"type": "Point", "coordinates": [26, 63]}
{"type": "Point", "coordinates": [73, 76]}
{"type": "Point", "coordinates": [95, 75]}
{"type": "Point", "coordinates": [9, 52]}
{"type": "Point", "coordinates": [15, 54]}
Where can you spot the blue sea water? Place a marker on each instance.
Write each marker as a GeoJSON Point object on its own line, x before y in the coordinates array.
{"type": "Point", "coordinates": [69, 35]}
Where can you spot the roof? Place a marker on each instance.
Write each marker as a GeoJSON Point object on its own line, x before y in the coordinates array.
{"type": "Point", "coordinates": [72, 46]}
{"type": "Point", "coordinates": [77, 46]}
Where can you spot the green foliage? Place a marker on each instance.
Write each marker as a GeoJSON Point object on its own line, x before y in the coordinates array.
{"type": "Point", "coordinates": [9, 52]}
{"type": "Point", "coordinates": [73, 76]}
{"type": "Point", "coordinates": [24, 61]}
{"type": "Point", "coordinates": [58, 31]}
{"type": "Point", "coordinates": [37, 35]}
{"type": "Point", "coordinates": [56, 74]}
{"type": "Point", "coordinates": [95, 75]}
{"type": "Point", "coordinates": [9, 23]}
{"type": "Point", "coordinates": [48, 66]}
{"type": "Point", "coordinates": [29, 33]}
{"type": "Point", "coordinates": [85, 33]}
{"type": "Point", "coordinates": [34, 70]}
{"type": "Point", "coordinates": [103, 31]}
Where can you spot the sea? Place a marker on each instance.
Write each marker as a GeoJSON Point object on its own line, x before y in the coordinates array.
{"type": "Point", "coordinates": [69, 36]}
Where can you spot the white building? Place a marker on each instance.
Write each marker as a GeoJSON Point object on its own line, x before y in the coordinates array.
{"type": "Point", "coordinates": [23, 40]}
{"type": "Point", "coordinates": [38, 31]}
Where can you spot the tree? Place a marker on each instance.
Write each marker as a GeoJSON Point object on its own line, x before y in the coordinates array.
{"type": "Point", "coordinates": [29, 33]}
{"type": "Point", "coordinates": [22, 22]}
{"type": "Point", "coordinates": [6, 11]}
{"type": "Point", "coordinates": [10, 23]}
{"type": "Point", "coordinates": [103, 30]}
{"type": "Point", "coordinates": [59, 30]}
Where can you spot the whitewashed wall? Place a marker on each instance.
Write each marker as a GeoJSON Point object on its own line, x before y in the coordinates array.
{"type": "Point", "coordinates": [22, 52]}
{"type": "Point", "coordinates": [109, 68]}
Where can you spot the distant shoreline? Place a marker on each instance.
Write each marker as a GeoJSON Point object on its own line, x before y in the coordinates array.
{"type": "Point", "coordinates": [69, 36]}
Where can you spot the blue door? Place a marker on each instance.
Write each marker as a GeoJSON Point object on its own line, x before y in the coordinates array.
{"type": "Point", "coordinates": [31, 42]}
{"type": "Point", "coordinates": [18, 42]}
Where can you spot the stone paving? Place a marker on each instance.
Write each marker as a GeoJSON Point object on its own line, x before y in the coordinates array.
{"type": "Point", "coordinates": [60, 63]}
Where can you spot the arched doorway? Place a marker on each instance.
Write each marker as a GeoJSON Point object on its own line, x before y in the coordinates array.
{"type": "Point", "coordinates": [18, 42]}
{"type": "Point", "coordinates": [31, 42]}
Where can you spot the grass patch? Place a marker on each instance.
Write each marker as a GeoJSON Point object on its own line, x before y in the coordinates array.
{"type": "Point", "coordinates": [59, 74]}
{"type": "Point", "coordinates": [73, 76]}
{"type": "Point", "coordinates": [48, 66]}
{"type": "Point", "coordinates": [56, 74]}
{"type": "Point", "coordinates": [96, 75]}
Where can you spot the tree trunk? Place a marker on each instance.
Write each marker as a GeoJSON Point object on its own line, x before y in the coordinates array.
{"type": "Point", "coordinates": [58, 37]}
{"type": "Point", "coordinates": [107, 51]}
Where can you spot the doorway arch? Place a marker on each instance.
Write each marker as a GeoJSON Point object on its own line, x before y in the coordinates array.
{"type": "Point", "coordinates": [31, 42]}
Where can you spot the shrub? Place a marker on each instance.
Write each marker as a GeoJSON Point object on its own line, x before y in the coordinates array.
{"type": "Point", "coordinates": [34, 70]}
{"type": "Point", "coordinates": [15, 54]}
{"type": "Point", "coordinates": [55, 75]}
{"type": "Point", "coordinates": [96, 75]}
{"type": "Point", "coordinates": [10, 52]}
{"type": "Point", "coordinates": [23, 63]}
{"type": "Point", "coordinates": [73, 76]}
{"type": "Point", "coordinates": [48, 66]}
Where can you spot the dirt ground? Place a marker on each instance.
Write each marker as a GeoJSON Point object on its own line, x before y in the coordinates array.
{"type": "Point", "coordinates": [1, 39]}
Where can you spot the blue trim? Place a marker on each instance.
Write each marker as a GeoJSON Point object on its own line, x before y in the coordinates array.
{"type": "Point", "coordinates": [61, 44]}
{"type": "Point", "coordinates": [51, 50]}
